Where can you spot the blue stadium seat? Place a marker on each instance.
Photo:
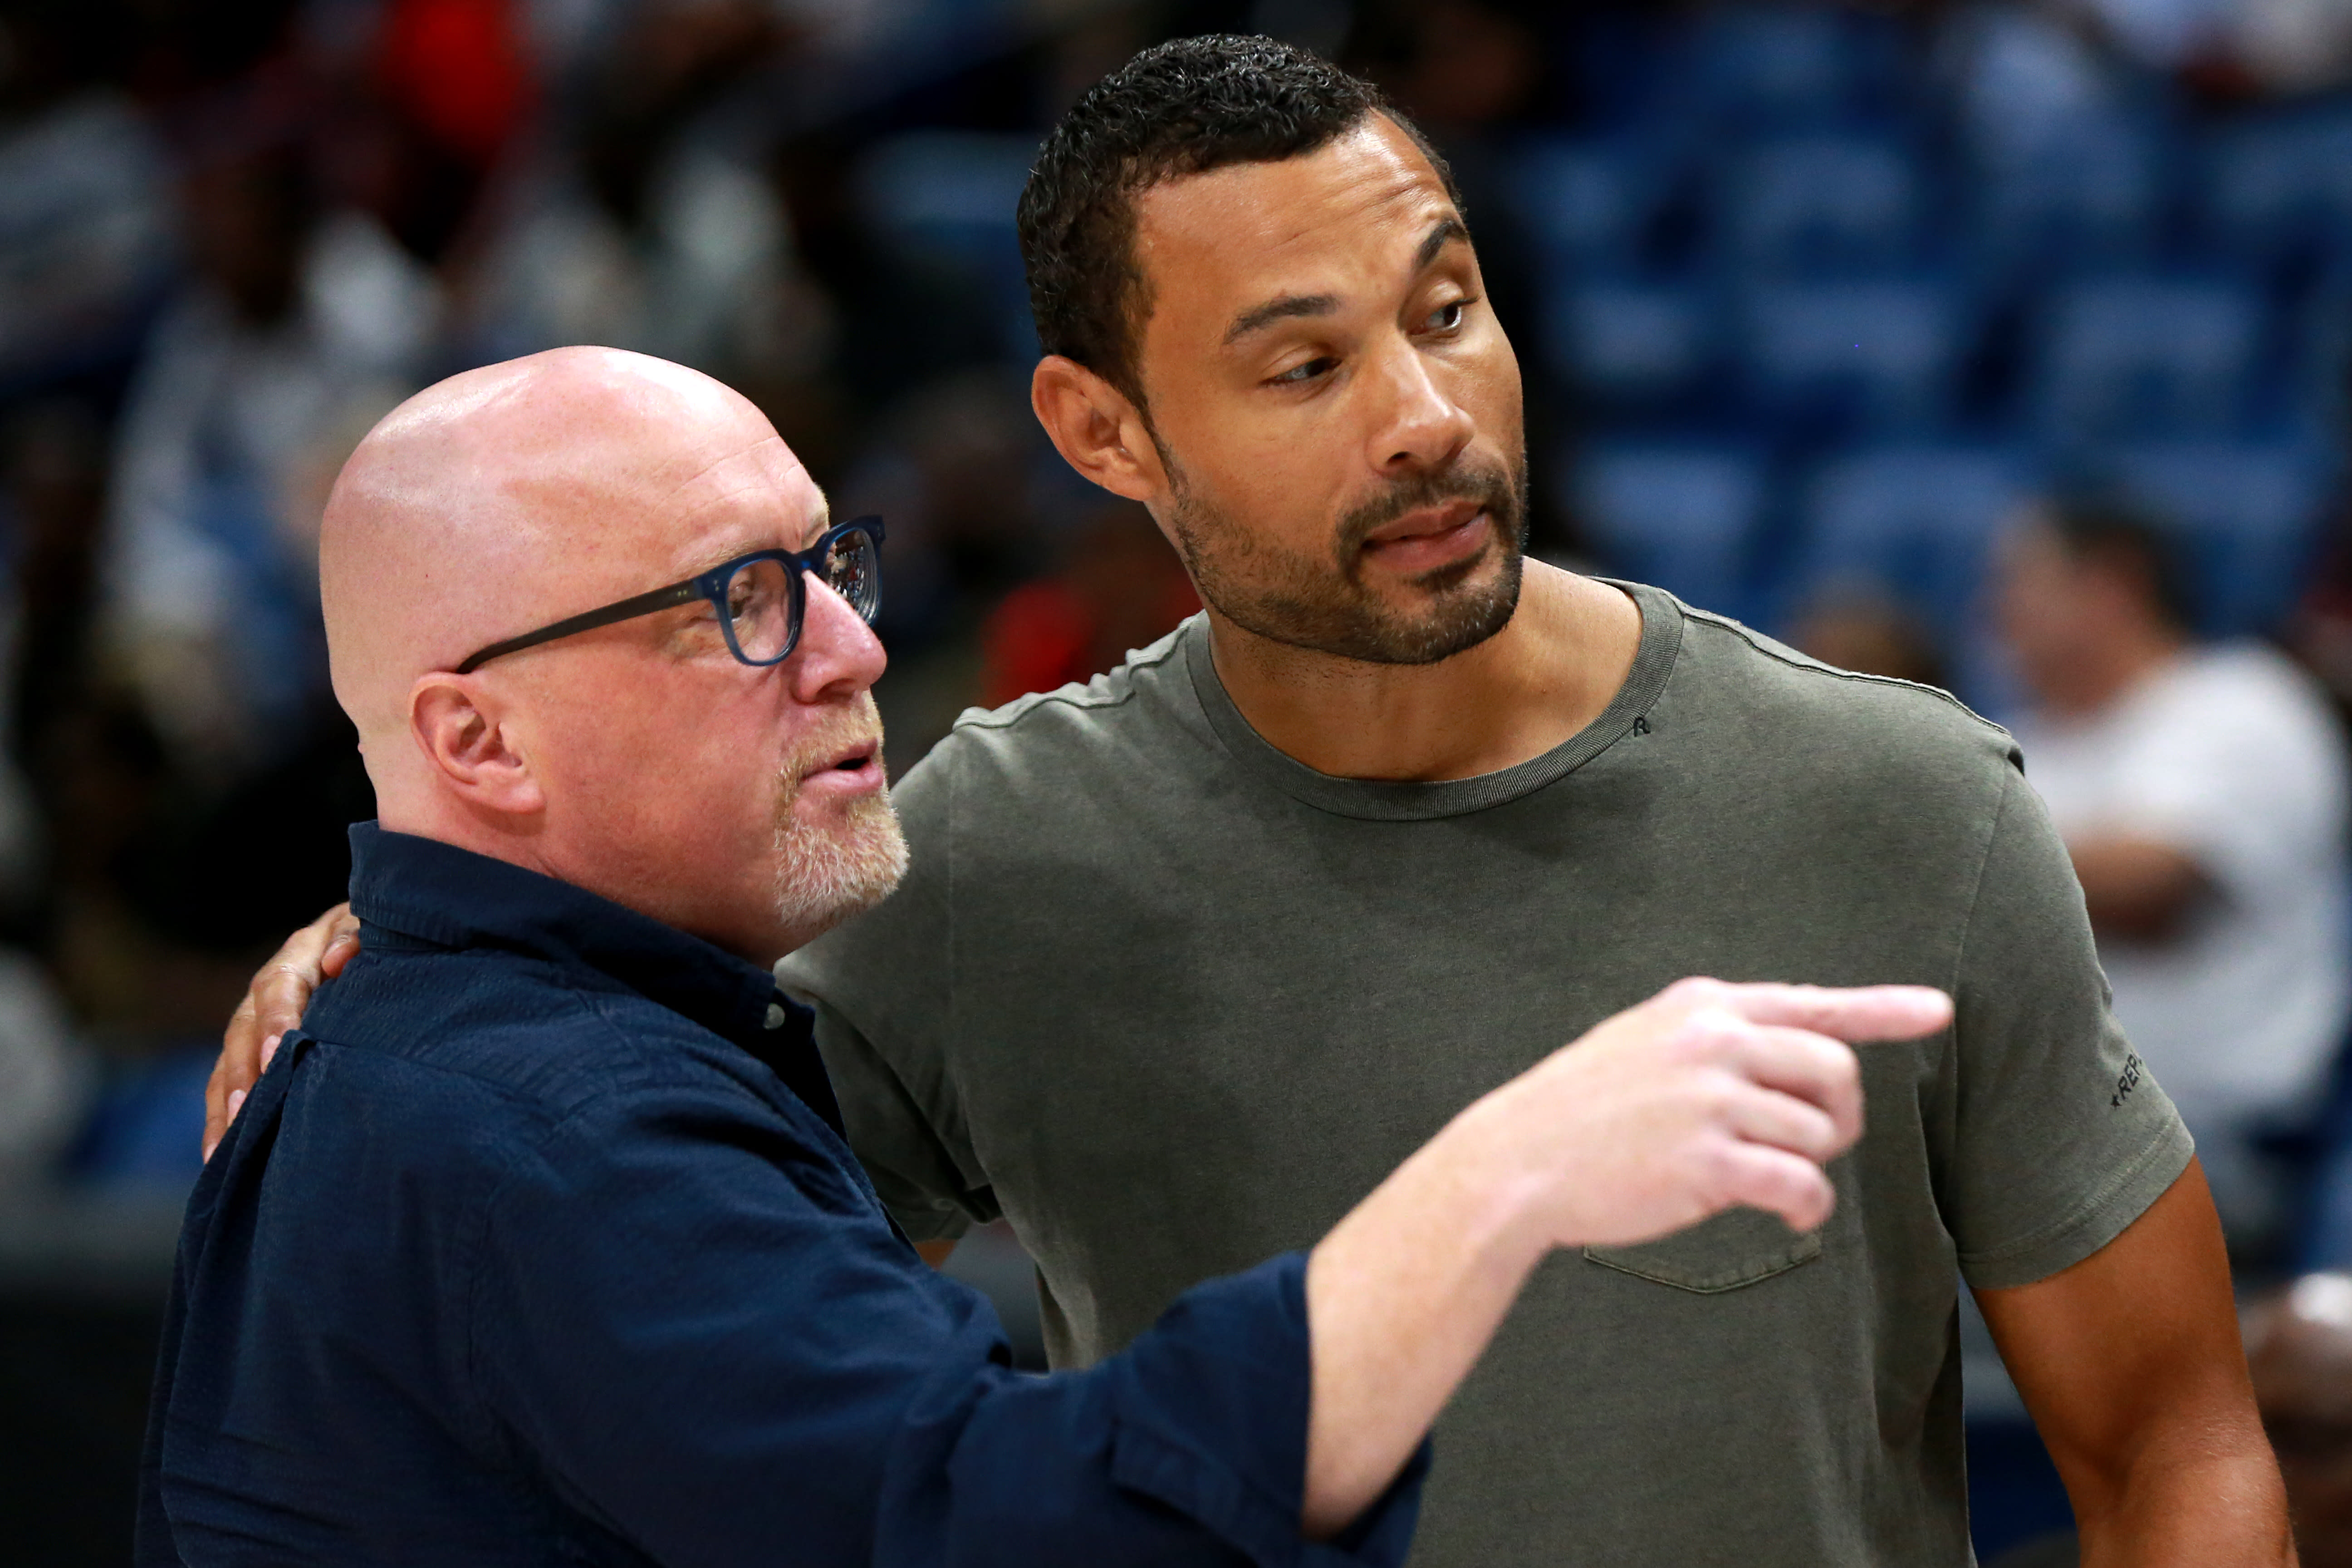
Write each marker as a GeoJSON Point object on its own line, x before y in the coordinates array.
{"type": "Point", "coordinates": [2248, 515]}
{"type": "Point", "coordinates": [1632, 347]}
{"type": "Point", "coordinates": [2122, 358]}
{"type": "Point", "coordinates": [1918, 520]}
{"type": "Point", "coordinates": [2318, 385]}
{"type": "Point", "coordinates": [1589, 205]}
{"type": "Point", "coordinates": [1680, 516]}
{"type": "Point", "coordinates": [949, 195]}
{"type": "Point", "coordinates": [1820, 205]}
{"type": "Point", "coordinates": [1790, 66]}
{"type": "Point", "coordinates": [1874, 357]}
{"type": "Point", "coordinates": [2278, 189]}
{"type": "Point", "coordinates": [2096, 196]}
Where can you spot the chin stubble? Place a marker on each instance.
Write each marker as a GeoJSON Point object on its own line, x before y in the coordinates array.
{"type": "Point", "coordinates": [826, 873]}
{"type": "Point", "coordinates": [1323, 605]}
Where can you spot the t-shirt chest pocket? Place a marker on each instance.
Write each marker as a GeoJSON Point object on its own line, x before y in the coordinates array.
{"type": "Point", "coordinates": [1735, 1249]}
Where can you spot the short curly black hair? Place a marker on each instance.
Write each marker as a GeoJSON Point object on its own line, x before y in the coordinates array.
{"type": "Point", "coordinates": [1180, 108]}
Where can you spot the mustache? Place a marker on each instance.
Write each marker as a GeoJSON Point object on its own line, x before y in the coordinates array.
{"type": "Point", "coordinates": [853, 725]}
{"type": "Point", "coordinates": [1490, 488]}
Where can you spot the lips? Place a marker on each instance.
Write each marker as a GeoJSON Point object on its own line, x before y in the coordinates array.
{"type": "Point", "coordinates": [1431, 540]}
{"type": "Point", "coordinates": [849, 758]}
{"type": "Point", "coordinates": [1425, 523]}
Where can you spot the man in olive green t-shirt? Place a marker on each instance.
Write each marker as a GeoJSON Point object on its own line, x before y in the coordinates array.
{"type": "Point", "coordinates": [1169, 1000]}
{"type": "Point", "coordinates": [1190, 957]}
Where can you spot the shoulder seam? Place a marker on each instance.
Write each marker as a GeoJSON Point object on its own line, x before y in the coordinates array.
{"type": "Point", "coordinates": [1021, 707]}
{"type": "Point", "coordinates": [578, 998]}
{"type": "Point", "coordinates": [1814, 667]}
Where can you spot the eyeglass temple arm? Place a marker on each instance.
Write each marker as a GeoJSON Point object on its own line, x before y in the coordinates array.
{"type": "Point", "coordinates": [642, 605]}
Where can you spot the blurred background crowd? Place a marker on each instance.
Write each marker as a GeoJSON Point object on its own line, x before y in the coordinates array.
{"type": "Point", "coordinates": [2002, 345]}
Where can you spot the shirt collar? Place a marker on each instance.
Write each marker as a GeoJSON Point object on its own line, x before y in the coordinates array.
{"type": "Point", "coordinates": [438, 893]}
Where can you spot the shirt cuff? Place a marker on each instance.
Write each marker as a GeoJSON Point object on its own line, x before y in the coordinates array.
{"type": "Point", "coordinates": [1210, 1409]}
{"type": "Point", "coordinates": [2104, 1214]}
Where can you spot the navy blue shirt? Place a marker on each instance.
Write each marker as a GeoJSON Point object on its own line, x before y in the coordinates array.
{"type": "Point", "coordinates": [539, 1243]}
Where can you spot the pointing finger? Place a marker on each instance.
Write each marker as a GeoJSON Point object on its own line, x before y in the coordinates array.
{"type": "Point", "coordinates": [1857, 1014]}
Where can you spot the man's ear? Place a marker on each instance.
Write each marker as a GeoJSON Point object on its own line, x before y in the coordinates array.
{"type": "Point", "coordinates": [1096, 428]}
{"type": "Point", "coordinates": [465, 735]}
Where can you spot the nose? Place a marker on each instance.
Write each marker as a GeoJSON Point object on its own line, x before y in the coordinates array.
{"type": "Point", "coordinates": [838, 656]}
{"type": "Point", "coordinates": [1418, 426]}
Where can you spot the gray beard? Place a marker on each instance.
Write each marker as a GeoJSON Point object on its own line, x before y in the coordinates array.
{"type": "Point", "coordinates": [823, 879]}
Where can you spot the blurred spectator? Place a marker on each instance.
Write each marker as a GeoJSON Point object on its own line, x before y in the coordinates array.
{"type": "Point", "coordinates": [649, 232]}
{"type": "Point", "coordinates": [2021, 72]}
{"type": "Point", "coordinates": [41, 1082]}
{"type": "Point", "coordinates": [954, 468]}
{"type": "Point", "coordinates": [84, 222]}
{"type": "Point", "coordinates": [1122, 588]}
{"type": "Point", "coordinates": [958, 471]}
{"type": "Point", "coordinates": [53, 489]}
{"type": "Point", "coordinates": [2299, 1348]}
{"type": "Point", "coordinates": [1869, 634]}
{"type": "Point", "coordinates": [419, 103]}
{"type": "Point", "coordinates": [2202, 791]}
{"type": "Point", "coordinates": [291, 338]}
{"type": "Point", "coordinates": [2234, 45]}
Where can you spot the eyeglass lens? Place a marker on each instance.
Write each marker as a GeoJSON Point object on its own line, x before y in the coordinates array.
{"type": "Point", "coordinates": [760, 599]}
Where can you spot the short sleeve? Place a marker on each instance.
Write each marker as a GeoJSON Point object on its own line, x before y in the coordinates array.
{"type": "Point", "coordinates": [2059, 1136]}
{"type": "Point", "coordinates": [883, 993]}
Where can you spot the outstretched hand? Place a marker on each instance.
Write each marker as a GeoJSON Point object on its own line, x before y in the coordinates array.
{"type": "Point", "coordinates": [1709, 1096]}
{"type": "Point", "coordinates": [281, 988]}
{"type": "Point", "coordinates": [1706, 1097]}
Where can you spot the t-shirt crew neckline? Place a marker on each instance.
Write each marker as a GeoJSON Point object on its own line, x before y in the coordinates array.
{"type": "Point", "coordinates": [1378, 800]}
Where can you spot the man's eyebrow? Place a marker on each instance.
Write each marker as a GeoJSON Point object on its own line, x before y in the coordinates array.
{"type": "Point", "coordinates": [1443, 232]}
{"type": "Point", "coordinates": [1277, 310]}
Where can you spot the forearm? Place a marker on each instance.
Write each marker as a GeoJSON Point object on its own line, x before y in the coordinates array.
{"type": "Point", "coordinates": [2217, 1508]}
{"type": "Point", "coordinates": [2131, 1366]}
{"type": "Point", "coordinates": [1401, 1300]}
{"type": "Point", "coordinates": [2135, 888]}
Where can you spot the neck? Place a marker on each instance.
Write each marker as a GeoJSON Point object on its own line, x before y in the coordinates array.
{"type": "Point", "coordinates": [1548, 673]}
{"type": "Point", "coordinates": [527, 842]}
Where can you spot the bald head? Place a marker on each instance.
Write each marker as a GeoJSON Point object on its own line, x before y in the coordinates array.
{"type": "Point", "coordinates": [640, 759]}
{"type": "Point", "coordinates": [514, 495]}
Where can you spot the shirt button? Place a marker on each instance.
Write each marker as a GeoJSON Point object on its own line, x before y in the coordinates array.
{"type": "Point", "coordinates": [776, 1016]}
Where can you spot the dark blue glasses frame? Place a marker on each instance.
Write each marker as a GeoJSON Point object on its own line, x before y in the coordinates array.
{"type": "Point", "coordinates": [865, 598]}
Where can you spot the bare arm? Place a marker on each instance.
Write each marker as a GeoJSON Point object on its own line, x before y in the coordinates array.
{"type": "Point", "coordinates": [2131, 1366]}
{"type": "Point", "coordinates": [2136, 888]}
{"type": "Point", "coordinates": [1706, 1097]}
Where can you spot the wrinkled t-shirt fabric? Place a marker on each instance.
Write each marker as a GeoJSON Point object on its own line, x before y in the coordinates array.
{"type": "Point", "coordinates": [1170, 1002]}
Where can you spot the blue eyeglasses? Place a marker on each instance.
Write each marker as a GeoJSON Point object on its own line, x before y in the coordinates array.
{"type": "Point", "coordinates": [760, 597]}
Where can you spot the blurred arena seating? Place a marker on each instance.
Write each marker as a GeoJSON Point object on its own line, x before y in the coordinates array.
{"type": "Point", "coordinates": [1832, 293]}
